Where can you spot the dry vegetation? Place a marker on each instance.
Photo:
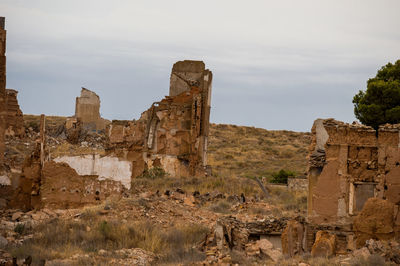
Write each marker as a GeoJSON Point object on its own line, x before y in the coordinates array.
{"type": "Point", "coordinates": [248, 151]}
{"type": "Point", "coordinates": [92, 232]}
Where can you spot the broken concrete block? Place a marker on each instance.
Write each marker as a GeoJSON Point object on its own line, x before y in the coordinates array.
{"type": "Point", "coordinates": [376, 221]}
{"type": "Point", "coordinates": [324, 245]}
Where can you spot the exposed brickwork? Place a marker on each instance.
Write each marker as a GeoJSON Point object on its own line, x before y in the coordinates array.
{"type": "Point", "coordinates": [14, 118]}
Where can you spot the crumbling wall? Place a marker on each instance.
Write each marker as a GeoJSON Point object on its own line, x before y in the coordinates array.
{"type": "Point", "coordinates": [87, 111]}
{"type": "Point", "coordinates": [2, 89]}
{"type": "Point", "coordinates": [107, 167]}
{"type": "Point", "coordinates": [297, 184]}
{"type": "Point", "coordinates": [14, 118]}
{"type": "Point", "coordinates": [63, 187]}
{"type": "Point", "coordinates": [173, 133]}
{"type": "Point", "coordinates": [349, 164]}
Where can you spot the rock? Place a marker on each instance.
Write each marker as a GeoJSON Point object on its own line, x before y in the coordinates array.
{"type": "Point", "coordinates": [252, 249]}
{"type": "Point", "coordinates": [267, 248]}
{"type": "Point", "coordinates": [376, 221]}
{"type": "Point", "coordinates": [264, 244]}
{"type": "Point", "coordinates": [190, 201]}
{"type": "Point", "coordinates": [3, 242]}
{"type": "Point", "coordinates": [363, 252]}
{"type": "Point", "coordinates": [39, 216]}
{"type": "Point", "coordinates": [324, 245]}
{"type": "Point", "coordinates": [102, 252]}
{"type": "Point", "coordinates": [16, 216]}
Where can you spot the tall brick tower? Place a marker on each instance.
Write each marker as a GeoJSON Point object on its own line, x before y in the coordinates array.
{"type": "Point", "coordinates": [2, 88]}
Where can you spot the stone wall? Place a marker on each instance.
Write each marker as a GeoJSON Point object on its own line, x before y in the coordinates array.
{"type": "Point", "coordinates": [63, 187]}
{"type": "Point", "coordinates": [87, 111]}
{"type": "Point", "coordinates": [173, 133]}
{"type": "Point", "coordinates": [14, 118]}
{"type": "Point", "coordinates": [2, 89]}
{"type": "Point", "coordinates": [297, 184]}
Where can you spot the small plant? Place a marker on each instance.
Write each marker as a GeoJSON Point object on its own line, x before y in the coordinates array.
{"type": "Point", "coordinates": [19, 228]}
{"type": "Point", "coordinates": [222, 206]}
{"type": "Point", "coordinates": [282, 176]}
{"type": "Point", "coordinates": [105, 229]}
{"type": "Point", "coordinates": [153, 173]}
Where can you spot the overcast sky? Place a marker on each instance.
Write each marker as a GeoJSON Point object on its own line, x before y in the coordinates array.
{"type": "Point", "coordinates": [276, 64]}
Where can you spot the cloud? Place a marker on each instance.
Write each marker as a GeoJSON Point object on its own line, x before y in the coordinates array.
{"type": "Point", "coordinates": [277, 65]}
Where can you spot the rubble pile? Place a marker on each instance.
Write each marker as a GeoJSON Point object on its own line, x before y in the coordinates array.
{"type": "Point", "coordinates": [230, 233]}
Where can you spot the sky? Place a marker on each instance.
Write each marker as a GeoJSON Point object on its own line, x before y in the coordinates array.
{"type": "Point", "coordinates": [276, 64]}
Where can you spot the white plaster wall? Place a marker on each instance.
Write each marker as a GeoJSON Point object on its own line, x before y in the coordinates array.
{"type": "Point", "coordinates": [107, 167]}
{"type": "Point", "coordinates": [5, 180]}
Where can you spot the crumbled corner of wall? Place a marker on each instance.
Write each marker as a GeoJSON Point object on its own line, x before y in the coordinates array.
{"type": "Point", "coordinates": [14, 116]}
{"type": "Point", "coordinates": [87, 111]}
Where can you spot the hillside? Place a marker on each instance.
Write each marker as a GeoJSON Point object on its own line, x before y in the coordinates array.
{"type": "Point", "coordinates": [248, 151]}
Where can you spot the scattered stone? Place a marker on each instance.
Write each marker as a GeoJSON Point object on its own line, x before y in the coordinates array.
{"type": "Point", "coordinates": [362, 252]}
{"type": "Point", "coordinates": [16, 216]}
{"type": "Point", "coordinates": [3, 242]}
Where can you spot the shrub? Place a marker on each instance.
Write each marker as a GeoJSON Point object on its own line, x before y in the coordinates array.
{"type": "Point", "coordinates": [153, 173]}
{"type": "Point", "coordinates": [282, 176]}
{"type": "Point", "coordinates": [222, 206]}
{"type": "Point", "coordinates": [19, 228]}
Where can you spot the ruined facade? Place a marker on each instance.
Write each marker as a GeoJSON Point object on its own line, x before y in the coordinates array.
{"type": "Point", "coordinates": [87, 111]}
{"type": "Point", "coordinates": [173, 133]}
{"type": "Point", "coordinates": [348, 165]}
{"type": "Point", "coordinates": [2, 89]}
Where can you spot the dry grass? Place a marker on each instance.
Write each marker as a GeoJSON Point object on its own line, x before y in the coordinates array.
{"type": "Point", "coordinates": [248, 151]}
{"type": "Point", "coordinates": [52, 122]}
{"type": "Point", "coordinates": [61, 239]}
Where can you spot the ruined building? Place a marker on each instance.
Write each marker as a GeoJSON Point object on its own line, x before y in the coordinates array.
{"type": "Point", "coordinates": [354, 186]}
{"type": "Point", "coordinates": [87, 111]}
{"type": "Point", "coordinates": [173, 133]}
